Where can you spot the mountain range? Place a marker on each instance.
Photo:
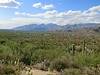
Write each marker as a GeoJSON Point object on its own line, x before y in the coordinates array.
{"type": "Point", "coordinates": [55, 27]}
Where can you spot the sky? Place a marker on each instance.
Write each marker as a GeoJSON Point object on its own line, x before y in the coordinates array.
{"type": "Point", "coordinates": [14, 13]}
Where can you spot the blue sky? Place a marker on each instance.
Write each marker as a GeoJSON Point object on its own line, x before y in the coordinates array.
{"type": "Point", "coordinates": [20, 12]}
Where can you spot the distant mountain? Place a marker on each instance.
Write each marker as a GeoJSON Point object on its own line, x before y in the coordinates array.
{"type": "Point", "coordinates": [39, 27]}
{"type": "Point", "coordinates": [55, 27]}
{"type": "Point", "coordinates": [81, 26]}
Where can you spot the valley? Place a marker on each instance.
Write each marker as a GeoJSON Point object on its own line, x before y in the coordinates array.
{"type": "Point", "coordinates": [57, 52]}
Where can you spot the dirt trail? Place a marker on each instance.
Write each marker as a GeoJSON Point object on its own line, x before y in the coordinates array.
{"type": "Point", "coordinates": [38, 72]}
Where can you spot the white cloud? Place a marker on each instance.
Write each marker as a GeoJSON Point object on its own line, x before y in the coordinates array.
{"type": "Point", "coordinates": [95, 9]}
{"type": "Point", "coordinates": [43, 6]}
{"type": "Point", "coordinates": [9, 4]}
{"type": "Point", "coordinates": [46, 7]}
{"type": "Point", "coordinates": [67, 17]}
{"type": "Point", "coordinates": [37, 5]}
{"type": "Point", "coordinates": [60, 18]}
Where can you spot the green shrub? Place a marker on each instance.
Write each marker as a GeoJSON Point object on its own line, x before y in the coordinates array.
{"type": "Point", "coordinates": [8, 70]}
{"type": "Point", "coordinates": [61, 63]}
{"type": "Point", "coordinates": [72, 72]}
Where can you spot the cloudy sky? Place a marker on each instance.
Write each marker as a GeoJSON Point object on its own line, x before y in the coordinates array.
{"type": "Point", "coordinates": [15, 13]}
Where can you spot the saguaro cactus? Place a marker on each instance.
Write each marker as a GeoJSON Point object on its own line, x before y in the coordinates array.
{"type": "Point", "coordinates": [73, 49]}
{"type": "Point", "coordinates": [84, 44]}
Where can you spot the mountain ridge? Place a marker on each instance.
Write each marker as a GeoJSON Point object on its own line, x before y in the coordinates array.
{"type": "Point", "coordinates": [55, 27]}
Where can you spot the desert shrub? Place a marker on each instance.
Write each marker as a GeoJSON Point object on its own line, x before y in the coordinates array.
{"type": "Point", "coordinates": [82, 59]}
{"type": "Point", "coordinates": [72, 71]}
{"type": "Point", "coordinates": [26, 59]}
{"type": "Point", "coordinates": [61, 63]}
{"type": "Point", "coordinates": [8, 70]}
{"type": "Point", "coordinates": [41, 66]}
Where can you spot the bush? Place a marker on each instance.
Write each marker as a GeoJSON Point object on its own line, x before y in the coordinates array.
{"type": "Point", "coordinates": [44, 65]}
{"type": "Point", "coordinates": [60, 64]}
{"type": "Point", "coordinates": [8, 70]}
{"type": "Point", "coordinates": [82, 59]}
{"type": "Point", "coordinates": [57, 65]}
{"type": "Point", "coordinates": [72, 72]}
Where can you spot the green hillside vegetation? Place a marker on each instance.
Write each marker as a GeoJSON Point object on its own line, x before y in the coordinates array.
{"type": "Point", "coordinates": [70, 53]}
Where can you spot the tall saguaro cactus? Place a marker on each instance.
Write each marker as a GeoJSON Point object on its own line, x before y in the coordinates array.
{"type": "Point", "coordinates": [84, 45]}
{"type": "Point", "coordinates": [73, 49]}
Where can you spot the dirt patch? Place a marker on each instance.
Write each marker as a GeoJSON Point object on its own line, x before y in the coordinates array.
{"type": "Point", "coordinates": [38, 72]}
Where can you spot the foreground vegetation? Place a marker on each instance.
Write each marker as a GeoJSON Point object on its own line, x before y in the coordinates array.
{"type": "Point", "coordinates": [70, 53]}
